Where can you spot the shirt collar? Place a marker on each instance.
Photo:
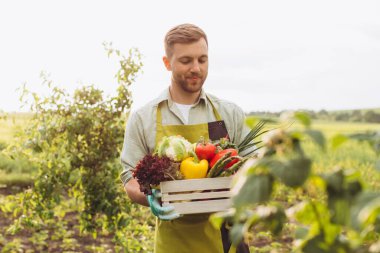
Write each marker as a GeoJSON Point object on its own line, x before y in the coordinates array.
{"type": "Point", "coordinates": [165, 96]}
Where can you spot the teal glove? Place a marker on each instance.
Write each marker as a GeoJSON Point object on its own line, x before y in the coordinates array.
{"type": "Point", "coordinates": [162, 212]}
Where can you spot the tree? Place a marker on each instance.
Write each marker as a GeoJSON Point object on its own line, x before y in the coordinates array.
{"type": "Point", "coordinates": [75, 142]}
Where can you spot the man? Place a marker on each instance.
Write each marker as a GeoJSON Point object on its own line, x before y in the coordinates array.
{"type": "Point", "coordinates": [183, 109]}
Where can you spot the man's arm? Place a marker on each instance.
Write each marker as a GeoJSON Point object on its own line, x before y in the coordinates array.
{"type": "Point", "coordinates": [132, 188]}
{"type": "Point", "coordinates": [134, 149]}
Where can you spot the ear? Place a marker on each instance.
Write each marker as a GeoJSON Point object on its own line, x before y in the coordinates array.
{"type": "Point", "coordinates": [166, 61]}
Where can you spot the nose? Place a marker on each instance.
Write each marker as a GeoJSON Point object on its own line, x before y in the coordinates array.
{"type": "Point", "coordinates": [195, 67]}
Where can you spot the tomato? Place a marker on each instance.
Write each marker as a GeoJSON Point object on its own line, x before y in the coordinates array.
{"type": "Point", "coordinates": [205, 151]}
{"type": "Point", "coordinates": [220, 154]}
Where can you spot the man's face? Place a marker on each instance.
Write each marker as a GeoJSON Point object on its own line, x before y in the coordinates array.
{"type": "Point", "coordinates": [189, 65]}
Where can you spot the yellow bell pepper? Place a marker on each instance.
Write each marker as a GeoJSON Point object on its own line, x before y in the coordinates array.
{"type": "Point", "coordinates": [191, 168]}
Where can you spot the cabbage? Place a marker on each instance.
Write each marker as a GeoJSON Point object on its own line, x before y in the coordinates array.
{"type": "Point", "coordinates": [175, 147]}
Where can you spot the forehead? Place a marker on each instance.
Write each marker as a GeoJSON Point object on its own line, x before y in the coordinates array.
{"type": "Point", "coordinates": [195, 49]}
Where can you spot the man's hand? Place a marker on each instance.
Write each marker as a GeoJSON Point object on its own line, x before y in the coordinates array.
{"type": "Point", "coordinates": [162, 212]}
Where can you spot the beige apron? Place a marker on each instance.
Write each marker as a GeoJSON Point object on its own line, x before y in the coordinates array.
{"type": "Point", "coordinates": [190, 233]}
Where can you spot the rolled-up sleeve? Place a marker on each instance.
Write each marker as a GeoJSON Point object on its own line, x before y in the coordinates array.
{"type": "Point", "coordinates": [134, 146]}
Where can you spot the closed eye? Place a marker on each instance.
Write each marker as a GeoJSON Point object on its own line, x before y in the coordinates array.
{"type": "Point", "coordinates": [185, 60]}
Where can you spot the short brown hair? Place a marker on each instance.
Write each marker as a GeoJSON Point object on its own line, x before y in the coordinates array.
{"type": "Point", "coordinates": [185, 33]}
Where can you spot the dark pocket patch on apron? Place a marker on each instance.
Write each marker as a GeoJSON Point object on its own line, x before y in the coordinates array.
{"type": "Point", "coordinates": [217, 130]}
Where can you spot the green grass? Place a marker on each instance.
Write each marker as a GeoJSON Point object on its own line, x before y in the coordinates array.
{"type": "Point", "coordinates": [331, 128]}
{"type": "Point", "coordinates": [15, 171]}
{"type": "Point", "coordinates": [358, 157]}
{"type": "Point", "coordinates": [13, 123]}
{"type": "Point", "coordinates": [16, 179]}
{"type": "Point", "coordinates": [352, 155]}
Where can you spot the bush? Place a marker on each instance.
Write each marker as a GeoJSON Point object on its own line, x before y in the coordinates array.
{"type": "Point", "coordinates": [3, 145]}
{"type": "Point", "coordinates": [75, 142]}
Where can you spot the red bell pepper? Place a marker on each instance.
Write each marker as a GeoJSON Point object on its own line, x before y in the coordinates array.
{"type": "Point", "coordinates": [220, 154]}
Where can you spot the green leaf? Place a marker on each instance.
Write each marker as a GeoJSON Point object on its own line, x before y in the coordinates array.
{"type": "Point", "coordinates": [303, 118]}
{"type": "Point", "coordinates": [363, 208]}
{"type": "Point", "coordinates": [301, 232]}
{"type": "Point", "coordinates": [297, 134]}
{"type": "Point", "coordinates": [315, 245]}
{"type": "Point", "coordinates": [256, 131]}
{"type": "Point", "coordinates": [309, 213]}
{"type": "Point", "coordinates": [353, 188]}
{"type": "Point", "coordinates": [293, 172]}
{"type": "Point", "coordinates": [335, 183]}
{"type": "Point", "coordinates": [217, 219]}
{"type": "Point", "coordinates": [340, 210]}
{"type": "Point", "coordinates": [317, 137]}
{"type": "Point", "coordinates": [325, 243]}
{"type": "Point", "coordinates": [377, 165]}
{"type": "Point", "coordinates": [255, 189]}
{"type": "Point", "coordinates": [273, 218]}
{"type": "Point", "coordinates": [370, 213]}
{"type": "Point", "coordinates": [338, 140]}
{"type": "Point", "coordinates": [237, 233]}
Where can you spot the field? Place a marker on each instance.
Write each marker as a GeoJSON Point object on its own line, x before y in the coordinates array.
{"type": "Point", "coordinates": [351, 155]}
{"type": "Point", "coordinates": [18, 172]}
{"type": "Point", "coordinates": [13, 123]}
{"type": "Point", "coordinates": [331, 128]}
{"type": "Point", "coordinates": [17, 175]}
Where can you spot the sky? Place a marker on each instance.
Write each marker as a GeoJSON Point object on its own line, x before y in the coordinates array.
{"type": "Point", "coordinates": [263, 55]}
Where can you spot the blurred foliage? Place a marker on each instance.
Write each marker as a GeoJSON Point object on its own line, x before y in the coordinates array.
{"type": "Point", "coordinates": [345, 219]}
{"type": "Point", "coordinates": [74, 141]}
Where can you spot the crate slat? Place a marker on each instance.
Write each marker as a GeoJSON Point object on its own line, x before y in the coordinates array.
{"type": "Point", "coordinates": [207, 206]}
{"type": "Point", "coordinates": [195, 195]}
{"type": "Point", "coordinates": [196, 184]}
{"type": "Point", "coordinates": [192, 196]}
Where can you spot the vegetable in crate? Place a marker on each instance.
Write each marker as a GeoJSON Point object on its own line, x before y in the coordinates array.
{"type": "Point", "coordinates": [249, 145]}
{"type": "Point", "coordinates": [152, 170]}
{"type": "Point", "coordinates": [221, 153]}
{"type": "Point", "coordinates": [175, 147]}
{"type": "Point", "coordinates": [205, 150]}
{"type": "Point", "coordinates": [224, 143]}
{"type": "Point", "coordinates": [219, 167]}
{"type": "Point", "coordinates": [192, 168]}
{"type": "Point", "coordinates": [226, 162]}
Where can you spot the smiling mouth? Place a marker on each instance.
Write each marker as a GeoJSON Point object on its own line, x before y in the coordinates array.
{"type": "Point", "coordinates": [193, 80]}
{"type": "Point", "coordinates": [194, 77]}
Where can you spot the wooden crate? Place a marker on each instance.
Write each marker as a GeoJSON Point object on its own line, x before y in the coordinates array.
{"type": "Point", "coordinates": [206, 195]}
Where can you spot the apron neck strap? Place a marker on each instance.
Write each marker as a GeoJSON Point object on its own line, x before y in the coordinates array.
{"type": "Point", "coordinates": [159, 115]}
{"type": "Point", "coordinates": [216, 113]}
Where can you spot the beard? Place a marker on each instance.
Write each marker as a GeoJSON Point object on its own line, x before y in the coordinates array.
{"type": "Point", "coordinates": [189, 84]}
